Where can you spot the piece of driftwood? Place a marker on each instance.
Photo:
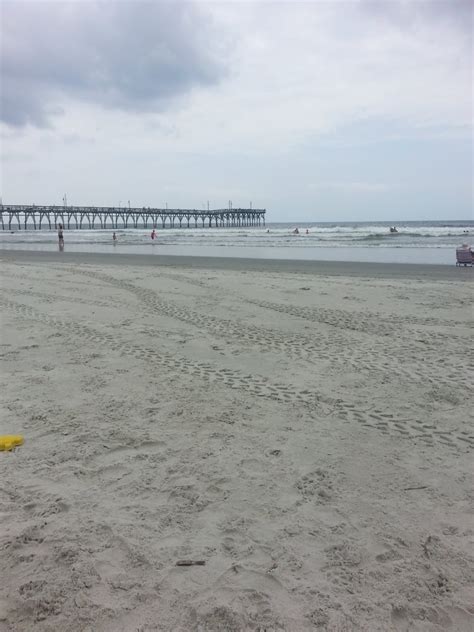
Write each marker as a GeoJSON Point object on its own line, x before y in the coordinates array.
{"type": "Point", "coordinates": [190, 562]}
{"type": "Point", "coordinates": [407, 489]}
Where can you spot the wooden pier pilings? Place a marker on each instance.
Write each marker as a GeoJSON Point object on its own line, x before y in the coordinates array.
{"type": "Point", "coordinates": [20, 217]}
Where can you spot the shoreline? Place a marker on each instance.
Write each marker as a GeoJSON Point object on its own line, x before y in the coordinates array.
{"type": "Point", "coordinates": [281, 251]}
{"type": "Point", "coordinates": [315, 267]}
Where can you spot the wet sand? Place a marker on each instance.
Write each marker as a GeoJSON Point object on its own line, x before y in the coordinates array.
{"type": "Point", "coordinates": [329, 268]}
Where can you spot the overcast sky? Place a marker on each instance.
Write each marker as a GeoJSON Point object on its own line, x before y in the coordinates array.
{"type": "Point", "coordinates": [337, 110]}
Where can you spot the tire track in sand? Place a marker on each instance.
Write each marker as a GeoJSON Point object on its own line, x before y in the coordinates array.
{"type": "Point", "coordinates": [333, 347]}
{"type": "Point", "coordinates": [251, 384]}
{"type": "Point", "coordinates": [399, 360]}
{"type": "Point", "coordinates": [417, 361]}
{"type": "Point", "coordinates": [371, 418]}
{"type": "Point", "coordinates": [295, 347]}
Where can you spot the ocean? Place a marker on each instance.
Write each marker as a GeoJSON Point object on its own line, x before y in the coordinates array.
{"type": "Point", "coordinates": [415, 242]}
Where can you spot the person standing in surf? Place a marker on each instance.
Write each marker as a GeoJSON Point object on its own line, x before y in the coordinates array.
{"type": "Point", "coordinates": [61, 236]}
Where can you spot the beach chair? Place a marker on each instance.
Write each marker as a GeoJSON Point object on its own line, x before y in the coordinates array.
{"type": "Point", "coordinates": [463, 257]}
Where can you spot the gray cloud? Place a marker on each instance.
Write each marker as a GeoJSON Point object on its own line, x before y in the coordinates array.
{"type": "Point", "coordinates": [458, 14]}
{"type": "Point", "coordinates": [124, 55]}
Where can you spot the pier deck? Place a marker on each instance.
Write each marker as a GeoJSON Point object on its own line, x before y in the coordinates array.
{"type": "Point", "coordinates": [21, 217]}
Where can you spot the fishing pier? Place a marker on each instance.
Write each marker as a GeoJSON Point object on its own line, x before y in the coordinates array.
{"type": "Point", "coordinates": [18, 217]}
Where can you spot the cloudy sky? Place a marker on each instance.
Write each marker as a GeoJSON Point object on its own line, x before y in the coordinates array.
{"type": "Point", "coordinates": [334, 110]}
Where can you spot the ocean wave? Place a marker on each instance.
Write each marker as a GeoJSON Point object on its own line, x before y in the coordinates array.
{"type": "Point", "coordinates": [350, 235]}
{"type": "Point", "coordinates": [398, 235]}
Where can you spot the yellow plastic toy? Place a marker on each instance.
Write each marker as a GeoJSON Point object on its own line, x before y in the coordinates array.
{"type": "Point", "coordinates": [10, 442]}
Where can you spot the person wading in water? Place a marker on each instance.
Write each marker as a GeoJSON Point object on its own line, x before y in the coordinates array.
{"type": "Point", "coordinates": [61, 236]}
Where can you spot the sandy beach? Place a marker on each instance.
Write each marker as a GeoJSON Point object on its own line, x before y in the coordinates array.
{"type": "Point", "coordinates": [304, 430]}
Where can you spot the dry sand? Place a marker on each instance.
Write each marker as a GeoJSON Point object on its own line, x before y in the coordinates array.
{"type": "Point", "coordinates": [306, 434]}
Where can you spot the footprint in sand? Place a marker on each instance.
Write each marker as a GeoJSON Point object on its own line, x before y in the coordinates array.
{"type": "Point", "coordinates": [315, 485]}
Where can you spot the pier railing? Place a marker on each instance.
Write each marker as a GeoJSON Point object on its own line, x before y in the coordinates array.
{"type": "Point", "coordinates": [24, 217]}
